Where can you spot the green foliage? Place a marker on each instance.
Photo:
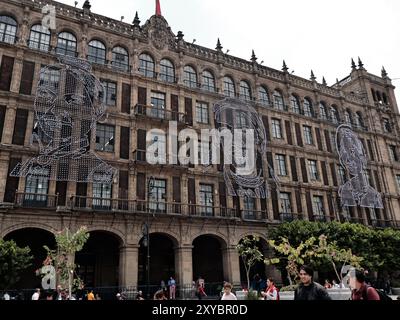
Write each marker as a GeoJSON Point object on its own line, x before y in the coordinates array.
{"type": "Point", "coordinates": [252, 295]}
{"type": "Point", "coordinates": [292, 287]}
{"type": "Point", "coordinates": [13, 260]}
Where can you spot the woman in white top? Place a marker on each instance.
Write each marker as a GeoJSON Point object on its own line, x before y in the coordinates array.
{"type": "Point", "coordinates": [228, 295]}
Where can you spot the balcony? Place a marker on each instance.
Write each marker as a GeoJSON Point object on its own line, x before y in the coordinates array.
{"type": "Point", "coordinates": [210, 211]}
{"type": "Point", "coordinates": [36, 200]}
{"type": "Point", "coordinates": [289, 217]}
{"type": "Point", "coordinates": [319, 218]}
{"type": "Point", "coordinates": [382, 224]}
{"type": "Point", "coordinates": [253, 215]}
{"type": "Point", "coordinates": [159, 113]}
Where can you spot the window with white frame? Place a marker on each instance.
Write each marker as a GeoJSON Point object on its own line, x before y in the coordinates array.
{"type": "Point", "coordinates": [281, 162]}
{"type": "Point", "coordinates": [105, 138]}
{"type": "Point", "coordinates": [190, 77]}
{"type": "Point", "coordinates": [286, 205]}
{"type": "Point", "coordinates": [278, 100]}
{"type": "Point", "coordinates": [229, 87]}
{"type": "Point", "coordinates": [206, 200]}
{"type": "Point", "coordinates": [294, 101]}
{"type": "Point", "coordinates": [39, 38]}
{"type": "Point", "coordinates": [208, 81]}
{"type": "Point", "coordinates": [276, 128]}
{"type": "Point", "coordinates": [313, 169]}
{"type": "Point", "coordinates": [110, 92]}
{"type": "Point", "coordinates": [308, 137]}
{"type": "Point", "coordinates": [97, 52]}
{"type": "Point", "coordinates": [307, 108]}
{"type": "Point", "coordinates": [245, 91]}
{"type": "Point", "coordinates": [318, 206]}
{"type": "Point", "coordinates": [147, 66]}
{"type": "Point", "coordinates": [202, 115]}
{"type": "Point", "coordinates": [263, 96]}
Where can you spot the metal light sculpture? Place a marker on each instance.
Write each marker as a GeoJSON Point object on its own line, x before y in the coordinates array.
{"type": "Point", "coordinates": [357, 191]}
{"type": "Point", "coordinates": [68, 104]}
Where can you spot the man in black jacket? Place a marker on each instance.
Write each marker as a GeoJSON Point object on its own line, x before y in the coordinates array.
{"type": "Point", "coordinates": [308, 289]}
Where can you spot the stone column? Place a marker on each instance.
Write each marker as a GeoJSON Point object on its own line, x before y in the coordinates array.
{"type": "Point", "coordinates": [230, 258]}
{"type": "Point", "coordinates": [9, 121]}
{"type": "Point", "coordinates": [128, 265]}
{"type": "Point", "coordinates": [4, 163]}
{"type": "Point", "coordinates": [184, 270]}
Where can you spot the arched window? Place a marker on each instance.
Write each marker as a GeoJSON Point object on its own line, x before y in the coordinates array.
{"type": "Point", "coordinates": [307, 108]}
{"type": "Point", "coordinates": [322, 111]}
{"type": "Point", "coordinates": [147, 67]}
{"type": "Point", "coordinates": [334, 115]}
{"type": "Point", "coordinates": [263, 96]}
{"type": "Point", "coordinates": [358, 120]}
{"type": "Point", "coordinates": [229, 87]}
{"type": "Point", "coordinates": [39, 38]}
{"type": "Point", "coordinates": [379, 97]}
{"type": "Point", "coordinates": [97, 52]}
{"type": "Point", "coordinates": [278, 100]}
{"type": "Point", "coordinates": [190, 77]}
{"type": "Point", "coordinates": [373, 94]}
{"type": "Point", "coordinates": [208, 81]}
{"type": "Point", "coordinates": [385, 100]}
{"type": "Point", "coordinates": [245, 91]}
{"type": "Point", "coordinates": [167, 71]}
{"type": "Point", "coordinates": [120, 58]}
{"type": "Point", "coordinates": [8, 29]}
{"type": "Point", "coordinates": [347, 117]}
{"type": "Point", "coordinates": [66, 44]}
{"type": "Point", "coordinates": [294, 101]}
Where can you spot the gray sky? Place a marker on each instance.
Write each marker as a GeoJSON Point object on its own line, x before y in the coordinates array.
{"type": "Point", "coordinates": [308, 34]}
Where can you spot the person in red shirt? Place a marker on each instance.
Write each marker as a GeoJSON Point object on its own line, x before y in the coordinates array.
{"type": "Point", "coordinates": [362, 291]}
{"type": "Point", "coordinates": [271, 292]}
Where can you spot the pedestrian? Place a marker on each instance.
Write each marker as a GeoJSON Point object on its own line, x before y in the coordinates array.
{"type": "Point", "coordinates": [172, 288]}
{"type": "Point", "coordinates": [327, 284]}
{"type": "Point", "coordinates": [159, 295]}
{"type": "Point", "coordinates": [139, 296]}
{"type": "Point", "coordinates": [6, 296]}
{"type": "Point", "coordinates": [36, 295]}
{"type": "Point", "coordinates": [228, 295]}
{"type": "Point", "coordinates": [119, 296]}
{"type": "Point", "coordinates": [308, 289]}
{"type": "Point", "coordinates": [90, 296]}
{"type": "Point", "coordinates": [361, 290]}
{"type": "Point", "coordinates": [271, 292]}
{"type": "Point", "coordinates": [200, 284]}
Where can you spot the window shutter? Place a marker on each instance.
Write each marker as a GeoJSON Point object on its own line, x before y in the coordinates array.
{"type": "Point", "coordinates": [288, 133]}
{"type": "Point", "coordinates": [270, 163]}
{"type": "Point", "coordinates": [309, 206]}
{"type": "Point", "coordinates": [298, 202]}
{"type": "Point", "coordinates": [328, 141]}
{"type": "Point", "coordinates": [141, 139]}
{"type": "Point", "coordinates": [266, 126]}
{"type": "Point", "coordinates": [371, 152]}
{"type": "Point", "coordinates": [319, 141]}
{"type": "Point", "coordinates": [61, 190]}
{"type": "Point", "coordinates": [6, 70]}
{"type": "Point", "coordinates": [324, 173]}
{"type": "Point", "coordinates": [275, 207]}
{"type": "Point", "coordinates": [11, 182]}
{"type": "Point", "coordinates": [2, 119]}
{"type": "Point", "coordinates": [377, 182]}
{"type": "Point", "coordinates": [28, 70]}
{"type": "Point", "coordinates": [333, 172]}
{"type": "Point", "coordinates": [175, 107]}
{"type": "Point", "coordinates": [298, 135]}
{"type": "Point", "coordinates": [21, 119]}
{"type": "Point", "coordinates": [304, 170]}
{"type": "Point", "coordinates": [142, 96]}
{"type": "Point", "coordinates": [123, 185]}
{"type": "Point", "coordinates": [124, 143]}
{"type": "Point", "coordinates": [330, 205]}
{"type": "Point", "coordinates": [126, 98]}
{"type": "Point", "coordinates": [293, 168]}
{"type": "Point", "coordinates": [176, 189]}
{"type": "Point", "coordinates": [189, 111]}
{"type": "Point", "coordinates": [141, 186]}
{"type": "Point", "coordinates": [222, 195]}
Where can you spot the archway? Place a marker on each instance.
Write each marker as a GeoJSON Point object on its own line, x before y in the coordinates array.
{"type": "Point", "coordinates": [98, 262]}
{"type": "Point", "coordinates": [162, 260]}
{"type": "Point", "coordinates": [35, 239]}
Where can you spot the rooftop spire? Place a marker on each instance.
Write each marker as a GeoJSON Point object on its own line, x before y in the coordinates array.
{"type": "Point", "coordinates": [324, 81]}
{"type": "Point", "coordinates": [360, 64]}
{"type": "Point", "coordinates": [219, 46]}
{"type": "Point", "coordinates": [312, 78]}
{"type": "Point", "coordinates": [253, 56]}
{"type": "Point", "coordinates": [353, 64]}
{"type": "Point", "coordinates": [384, 73]}
{"type": "Point", "coordinates": [284, 66]}
{"type": "Point", "coordinates": [158, 8]}
{"type": "Point", "coordinates": [136, 21]}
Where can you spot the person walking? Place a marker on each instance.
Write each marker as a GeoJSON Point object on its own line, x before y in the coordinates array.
{"type": "Point", "coordinates": [271, 292]}
{"type": "Point", "coordinates": [172, 288]}
{"type": "Point", "coordinates": [228, 295]}
{"type": "Point", "coordinates": [361, 290]}
{"type": "Point", "coordinates": [308, 289]}
{"type": "Point", "coordinates": [36, 295]}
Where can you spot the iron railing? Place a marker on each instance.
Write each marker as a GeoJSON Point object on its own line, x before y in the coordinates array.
{"type": "Point", "coordinates": [159, 113]}
{"type": "Point", "coordinates": [36, 200]}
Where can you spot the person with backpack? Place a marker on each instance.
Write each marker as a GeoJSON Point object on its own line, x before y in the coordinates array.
{"type": "Point", "coordinates": [308, 289]}
{"type": "Point", "coordinates": [361, 290]}
{"type": "Point", "coordinates": [271, 292]}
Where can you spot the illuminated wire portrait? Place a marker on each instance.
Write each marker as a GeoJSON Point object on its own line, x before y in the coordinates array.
{"type": "Point", "coordinates": [357, 191]}
{"type": "Point", "coordinates": [238, 116]}
{"type": "Point", "coordinates": [68, 104]}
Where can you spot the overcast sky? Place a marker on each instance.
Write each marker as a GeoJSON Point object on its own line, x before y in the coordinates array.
{"type": "Point", "coordinates": [308, 34]}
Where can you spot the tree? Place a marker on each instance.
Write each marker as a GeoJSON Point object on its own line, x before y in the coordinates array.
{"type": "Point", "coordinates": [63, 258]}
{"type": "Point", "coordinates": [248, 251]}
{"type": "Point", "coordinates": [13, 260]}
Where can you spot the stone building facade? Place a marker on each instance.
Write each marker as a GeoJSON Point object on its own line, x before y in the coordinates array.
{"type": "Point", "coordinates": [152, 75]}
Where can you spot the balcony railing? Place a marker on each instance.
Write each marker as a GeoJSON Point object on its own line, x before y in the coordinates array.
{"type": "Point", "coordinates": [36, 200]}
{"type": "Point", "coordinates": [253, 215]}
{"type": "Point", "coordinates": [378, 223]}
{"type": "Point", "coordinates": [351, 219]}
{"type": "Point", "coordinates": [196, 210]}
{"type": "Point", "coordinates": [159, 113]}
{"type": "Point", "coordinates": [289, 217]}
{"type": "Point", "coordinates": [319, 218]}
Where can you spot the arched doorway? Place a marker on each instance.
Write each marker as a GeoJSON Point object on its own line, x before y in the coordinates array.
{"type": "Point", "coordinates": [207, 259]}
{"type": "Point", "coordinates": [98, 262]}
{"type": "Point", "coordinates": [162, 260]}
{"type": "Point", "coordinates": [258, 269]}
{"type": "Point", "coordinates": [35, 239]}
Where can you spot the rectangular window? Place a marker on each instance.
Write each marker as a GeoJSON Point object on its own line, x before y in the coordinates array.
{"type": "Point", "coordinates": [28, 70]}
{"type": "Point", "coordinates": [2, 119]}
{"type": "Point", "coordinates": [36, 189]}
{"type": "Point", "coordinates": [249, 208]}
{"type": "Point", "coordinates": [313, 169]}
{"type": "Point", "coordinates": [241, 120]}
{"type": "Point", "coordinates": [318, 206]}
{"type": "Point", "coordinates": [105, 138]}
{"type": "Point", "coordinates": [308, 137]}
{"type": "Point", "coordinates": [202, 115]}
{"type": "Point", "coordinates": [50, 78]}
{"type": "Point", "coordinates": [281, 162]}
{"type": "Point", "coordinates": [21, 119]}
{"type": "Point", "coordinates": [386, 125]}
{"type": "Point", "coordinates": [206, 200]}
{"type": "Point", "coordinates": [6, 71]}
{"type": "Point", "coordinates": [342, 174]}
{"type": "Point", "coordinates": [276, 128]}
{"type": "Point", "coordinates": [398, 181]}
{"type": "Point", "coordinates": [157, 195]}
{"type": "Point", "coordinates": [286, 205]}
{"type": "Point", "coordinates": [102, 194]}
{"type": "Point", "coordinates": [157, 105]}
{"type": "Point", "coordinates": [126, 98]}
{"type": "Point", "coordinates": [393, 153]}
{"type": "Point", "coordinates": [124, 143]}
{"type": "Point", "coordinates": [110, 92]}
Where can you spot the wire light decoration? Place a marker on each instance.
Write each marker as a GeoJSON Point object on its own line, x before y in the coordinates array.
{"type": "Point", "coordinates": [69, 103]}
{"type": "Point", "coordinates": [357, 191]}
{"type": "Point", "coordinates": [227, 113]}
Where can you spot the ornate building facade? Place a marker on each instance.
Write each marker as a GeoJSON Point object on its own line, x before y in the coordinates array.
{"type": "Point", "coordinates": [152, 76]}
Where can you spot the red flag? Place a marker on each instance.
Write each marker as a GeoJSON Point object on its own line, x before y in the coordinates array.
{"type": "Point", "coordinates": [158, 8]}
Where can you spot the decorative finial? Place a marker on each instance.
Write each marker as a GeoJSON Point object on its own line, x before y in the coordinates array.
{"type": "Point", "coordinates": [253, 57]}
{"type": "Point", "coordinates": [219, 46]}
{"type": "Point", "coordinates": [384, 73]}
{"type": "Point", "coordinates": [180, 35]}
{"type": "Point", "coordinates": [136, 21]}
{"type": "Point", "coordinates": [87, 5]}
{"type": "Point", "coordinates": [284, 67]}
{"type": "Point", "coordinates": [337, 81]}
{"type": "Point", "coordinates": [360, 64]}
{"type": "Point", "coordinates": [312, 78]}
{"type": "Point", "coordinates": [353, 64]}
{"type": "Point", "coordinates": [158, 8]}
{"type": "Point", "coordinates": [324, 81]}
